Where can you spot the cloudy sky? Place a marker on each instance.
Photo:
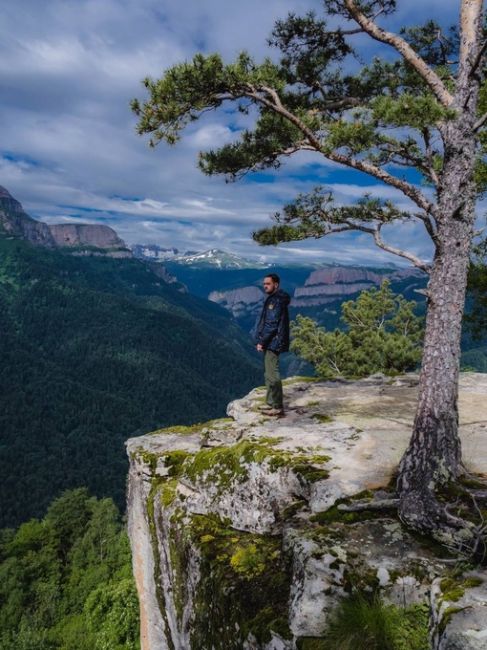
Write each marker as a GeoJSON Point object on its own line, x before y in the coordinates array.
{"type": "Point", "coordinates": [68, 147]}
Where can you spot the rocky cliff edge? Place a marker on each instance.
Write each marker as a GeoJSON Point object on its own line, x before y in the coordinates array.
{"type": "Point", "coordinates": [78, 239]}
{"type": "Point", "coordinates": [238, 529]}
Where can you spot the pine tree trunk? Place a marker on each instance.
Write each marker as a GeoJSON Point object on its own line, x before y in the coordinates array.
{"type": "Point", "coordinates": [433, 457]}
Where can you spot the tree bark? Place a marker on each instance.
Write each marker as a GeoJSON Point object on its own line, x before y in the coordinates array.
{"type": "Point", "coordinates": [433, 457]}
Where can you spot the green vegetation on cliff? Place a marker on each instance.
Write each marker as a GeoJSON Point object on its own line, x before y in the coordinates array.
{"type": "Point", "coordinates": [383, 334]}
{"type": "Point", "coordinates": [364, 622]}
{"type": "Point", "coordinates": [244, 584]}
{"type": "Point", "coordinates": [66, 580]}
{"type": "Point", "coordinates": [95, 350]}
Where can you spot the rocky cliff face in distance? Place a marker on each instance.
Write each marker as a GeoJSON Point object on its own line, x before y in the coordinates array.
{"type": "Point", "coordinates": [326, 285]}
{"type": "Point", "coordinates": [85, 237]}
{"type": "Point", "coordinates": [321, 287]}
{"type": "Point", "coordinates": [239, 534]}
{"type": "Point", "coordinates": [158, 269]}
{"type": "Point", "coordinates": [246, 301]}
{"type": "Point", "coordinates": [17, 223]}
{"type": "Point", "coordinates": [153, 252]}
{"type": "Point", "coordinates": [80, 239]}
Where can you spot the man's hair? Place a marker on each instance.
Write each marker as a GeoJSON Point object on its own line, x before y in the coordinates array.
{"type": "Point", "coordinates": [274, 277]}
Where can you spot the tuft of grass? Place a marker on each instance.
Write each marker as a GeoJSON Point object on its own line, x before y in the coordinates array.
{"type": "Point", "coordinates": [298, 379]}
{"type": "Point", "coordinates": [197, 427]}
{"type": "Point", "coordinates": [366, 623]}
{"type": "Point", "coordinates": [322, 417]}
{"type": "Point", "coordinates": [312, 643]}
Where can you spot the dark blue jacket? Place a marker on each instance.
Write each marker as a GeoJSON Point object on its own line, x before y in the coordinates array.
{"type": "Point", "coordinates": [272, 330]}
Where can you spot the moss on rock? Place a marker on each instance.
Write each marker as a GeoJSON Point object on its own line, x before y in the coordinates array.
{"type": "Point", "coordinates": [322, 417]}
{"type": "Point", "coordinates": [223, 465]}
{"type": "Point", "coordinates": [243, 587]}
{"type": "Point", "coordinates": [453, 588]}
{"type": "Point", "coordinates": [197, 427]}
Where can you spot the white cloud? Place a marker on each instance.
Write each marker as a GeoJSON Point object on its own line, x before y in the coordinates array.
{"type": "Point", "coordinates": [211, 136]}
{"type": "Point", "coordinates": [68, 70]}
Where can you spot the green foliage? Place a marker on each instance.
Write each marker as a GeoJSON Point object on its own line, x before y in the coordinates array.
{"type": "Point", "coordinates": [435, 51]}
{"type": "Point", "coordinates": [255, 150]}
{"type": "Point", "coordinates": [245, 577]}
{"type": "Point", "coordinates": [65, 581]}
{"type": "Point", "coordinates": [383, 335]}
{"type": "Point", "coordinates": [355, 135]}
{"type": "Point", "coordinates": [95, 350]}
{"type": "Point", "coordinates": [407, 110]}
{"type": "Point", "coordinates": [316, 215]}
{"type": "Point", "coordinates": [307, 47]}
{"type": "Point", "coordinates": [190, 88]}
{"type": "Point", "coordinates": [363, 623]}
{"type": "Point", "coordinates": [476, 316]}
{"type": "Point", "coordinates": [248, 560]}
{"type": "Point", "coordinates": [112, 613]}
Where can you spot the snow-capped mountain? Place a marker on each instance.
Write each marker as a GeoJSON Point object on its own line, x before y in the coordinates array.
{"type": "Point", "coordinates": [219, 259]}
{"type": "Point", "coordinates": [157, 253]}
{"type": "Point", "coordinates": [213, 258]}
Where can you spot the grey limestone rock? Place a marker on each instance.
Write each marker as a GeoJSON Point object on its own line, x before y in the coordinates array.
{"type": "Point", "coordinates": [459, 612]}
{"type": "Point", "coordinates": [236, 536]}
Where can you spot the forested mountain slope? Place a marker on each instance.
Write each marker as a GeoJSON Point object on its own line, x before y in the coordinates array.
{"type": "Point", "coordinates": [95, 349]}
{"type": "Point", "coordinates": [66, 580]}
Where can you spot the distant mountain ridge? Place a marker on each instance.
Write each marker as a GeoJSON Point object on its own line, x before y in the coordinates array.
{"type": "Point", "coordinates": [156, 253]}
{"type": "Point", "coordinates": [327, 285]}
{"type": "Point", "coordinates": [234, 281]}
{"type": "Point", "coordinates": [211, 258]}
{"type": "Point", "coordinates": [322, 287]}
{"type": "Point", "coordinates": [238, 286]}
{"type": "Point", "coordinates": [220, 259]}
{"type": "Point", "coordinates": [80, 239]}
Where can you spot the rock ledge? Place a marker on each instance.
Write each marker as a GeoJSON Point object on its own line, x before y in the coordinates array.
{"type": "Point", "coordinates": [237, 541]}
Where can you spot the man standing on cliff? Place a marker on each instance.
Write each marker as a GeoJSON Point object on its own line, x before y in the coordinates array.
{"type": "Point", "coordinates": [272, 338]}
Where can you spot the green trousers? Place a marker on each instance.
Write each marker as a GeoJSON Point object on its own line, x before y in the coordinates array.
{"type": "Point", "coordinates": [273, 379]}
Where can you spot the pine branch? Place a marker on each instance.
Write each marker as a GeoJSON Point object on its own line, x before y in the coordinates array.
{"type": "Point", "coordinates": [430, 225]}
{"type": "Point", "coordinates": [275, 104]}
{"type": "Point", "coordinates": [470, 22]}
{"type": "Point", "coordinates": [406, 51]}
{"type": "Point", "coordinates": [401, 153]}
{"type": "Point", "coordinates": [375, 232]}
{"type": "Point", "coordinates": [315, 215]}
{"type": "Point", "coordinates": [397, 251]}
{"type": "Point", "coordinates": [480, 122]}
{"type": "Point", "coordinates": [406, 188]}
{"type": "Point", "coordinates": [479, 60]}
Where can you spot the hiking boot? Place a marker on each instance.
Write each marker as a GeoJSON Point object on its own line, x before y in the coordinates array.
{"type": "Point", "coordinates": [276, 412]}
{"type": "Point", "coordinates": [265, 407]}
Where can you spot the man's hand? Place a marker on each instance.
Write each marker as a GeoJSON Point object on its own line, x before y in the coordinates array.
{"type": "Point", "coordinates": [260, 347]}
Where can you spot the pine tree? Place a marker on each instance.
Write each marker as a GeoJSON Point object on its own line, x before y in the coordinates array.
{"type": "Point", "coordinates": [420, 105]}
{"type": "Point", "coordinates": [382, 334]}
